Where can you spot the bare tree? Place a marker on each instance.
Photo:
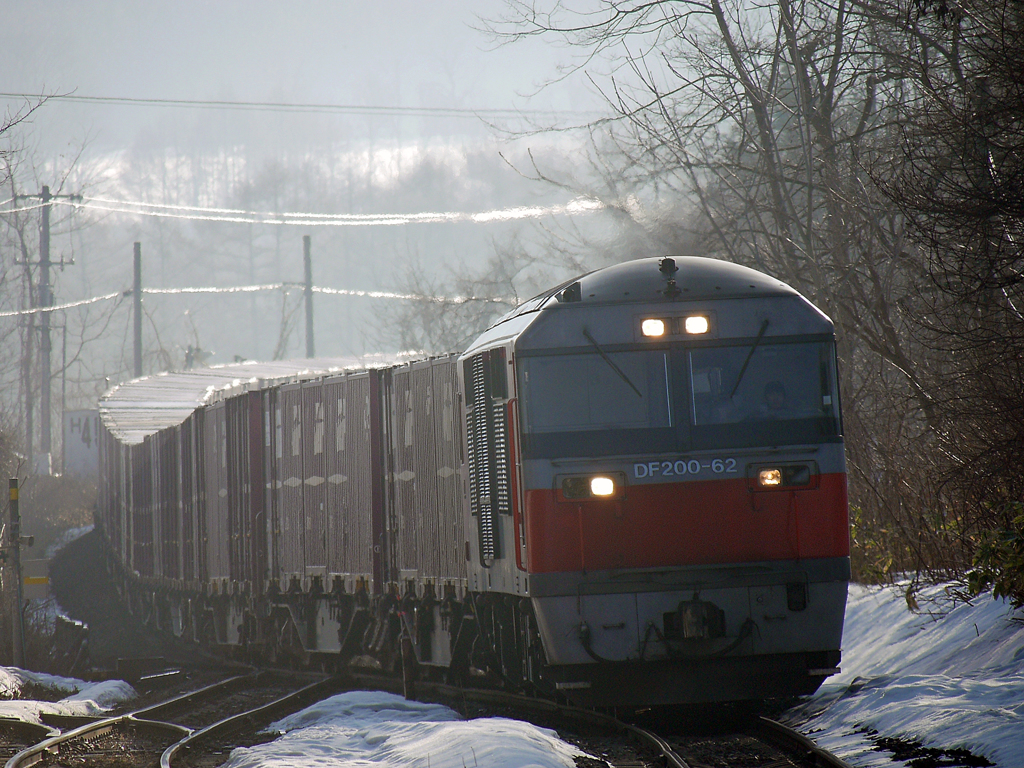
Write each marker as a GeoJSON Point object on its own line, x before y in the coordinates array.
{"type": "Point", "coordinates": [770, 119]}
{"type": "Point", "coordinates": [20, 372]}
{"type": "Point", "coordinates": [959, 181]}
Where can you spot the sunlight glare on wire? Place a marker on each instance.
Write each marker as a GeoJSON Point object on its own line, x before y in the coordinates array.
{"type": "Point", "coordinates": [267, 287]}
{"type": "Point", "coordinates": [69, 305]}
{"type": "Point", "coordinates": [578, 206]}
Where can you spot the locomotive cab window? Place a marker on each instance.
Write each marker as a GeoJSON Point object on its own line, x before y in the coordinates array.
{"type": "Point", "coordinates": [769, 393]}
{"type": "Point", "coordinates": [618, 398]}
{"type": "Point", "coordinates": [677, 399]}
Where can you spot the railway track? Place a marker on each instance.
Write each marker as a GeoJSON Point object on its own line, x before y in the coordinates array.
{"type": "Point", "coordinates": [759, 743]}
{"type": "Point", "coordinates": [198, 729]}
{"type": "Point", "coordinates": [16, 735]}
{"type": "Point", "coordinates": [746, 741]}
{"type": "Point", "coordinates": [229, 712]}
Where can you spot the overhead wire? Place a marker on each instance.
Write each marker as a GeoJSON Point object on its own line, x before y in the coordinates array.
{"type": "Point", "coordinates": [286, 286]}
{"type": "Point", "coordinates": [57, 307]}
{"type": "Point", "coordinates": [140, 208]}
{"type": "Point", "coordinates": [576, 206]}
{"type": "Point", "coordinates": [232, 289]}
{"type": "Point", "coordinates": [35, 207]}
{"type": "Point", "coordinates": [274, 106]}
{"type": "Point", "coordinates": [411, 296]}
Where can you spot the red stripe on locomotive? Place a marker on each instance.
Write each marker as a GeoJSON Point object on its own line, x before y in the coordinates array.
{"type": "Point", "coordinates": [698, 522]}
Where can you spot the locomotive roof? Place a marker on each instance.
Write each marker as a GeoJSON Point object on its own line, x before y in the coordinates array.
{"type": "Point", "coordinates": [697, 278]}
{"type": "Point", "coordinates": [136, 409]}
{"type": "Point", "coordinates": [642, 280]}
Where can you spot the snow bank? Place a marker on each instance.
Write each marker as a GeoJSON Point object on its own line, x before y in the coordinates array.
{"type": "Point", "coordinates": [950, 680]}
{"type": "Point", "coordinates": [370, 729]}
{"type": "Point", "coordinates": [87, 699]}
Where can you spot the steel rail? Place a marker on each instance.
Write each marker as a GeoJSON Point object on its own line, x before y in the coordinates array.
{"type": "Point", "coordinates": [154, 711]}
{"type": "Point", "coordinates": [672, 758]}
{"type": "Point", "coordinates": [38, 752]}
{"type": "Point", "coordinates": [286, 703]}
{"type": "Point", "coordinates": [786, 739]}
{"type": "Point", "coordinates": [782, 737]}
{"type": "Point", "coordinates": [651, 740]}
{"type": "Point", "coordinates": [20, 734]}
{"type": "Point", "coordinates": [25, 730]}
{"type": "Point", "coordinates": [790, 740]}
{"type": "Point", "coordinates": [48, 740]}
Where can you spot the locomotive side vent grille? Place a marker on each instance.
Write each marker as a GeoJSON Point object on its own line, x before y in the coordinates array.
{"type": "Point", "coordinates": [480, 463]}
{"type": "Point", "coordinates": [480, 471]}
{"type": "Point", "coordinates": [487, 449]}
{"type": "Point", "coordinates": [501, 468]}
{"type": "Point", "coordinates": [474, 503]}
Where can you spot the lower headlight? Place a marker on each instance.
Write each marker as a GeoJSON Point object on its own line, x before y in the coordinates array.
{"type": "Point", "coordinates": [602, 486]}
{"type": "Point", "coordinates": [606, 485]}
{"type": "Point", "coordinates": [769, 477]}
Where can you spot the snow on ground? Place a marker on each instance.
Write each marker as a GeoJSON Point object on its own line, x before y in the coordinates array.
{"type": "Point", "coordinates": [92, 699]}
{"type": "Point", "coordinates": [367, 729]}
{"type": "Point", "coordinates": [948, 680]}
{"type": "Point", "coordinates": [952, 679]}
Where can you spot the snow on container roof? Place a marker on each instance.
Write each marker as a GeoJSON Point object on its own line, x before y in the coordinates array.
{"type": "Point", "coordinates": [139, 408]}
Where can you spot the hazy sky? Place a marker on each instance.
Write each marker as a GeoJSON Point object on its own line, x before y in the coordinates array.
{"type": "Point", "coordinates": [405, 54]}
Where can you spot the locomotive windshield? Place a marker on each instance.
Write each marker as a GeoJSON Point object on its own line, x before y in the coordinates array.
{"type": "Point", "coordinates": [628, 390]}
{"type": "Point", "coordinates": [680, 398]}
{"type": "Point", "coordinates": [596, 399]}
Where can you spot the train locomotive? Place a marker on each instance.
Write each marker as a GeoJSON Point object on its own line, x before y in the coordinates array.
{"type": "Point", "coordinates": [630, 491]}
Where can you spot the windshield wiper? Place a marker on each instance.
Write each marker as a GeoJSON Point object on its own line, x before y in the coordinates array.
{"type": "Point", "coordinates": [611, 363]}
{"type": "Point", "coordinates": [750, 354]}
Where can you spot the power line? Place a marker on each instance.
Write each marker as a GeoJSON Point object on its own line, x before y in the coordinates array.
{"type": "Point", "coordinates": [579, 205]}
{"type": "Point", "coordinates": [260, 288]}
{"type": "Point", "coordinates": [413, 296]}
{"type": "Point", "coordinates": [22, 209]}
{"type": "Point", "coordinates": [233, 289]}
{"type": "Point", "coordinates": [275, 106]}
{"type": "Point", "coordinates": [54, 308]}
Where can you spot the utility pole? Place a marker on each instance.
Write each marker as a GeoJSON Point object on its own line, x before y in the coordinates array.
{"type": "Point", "coordinates": [137, 301]}
{"type": "Point", "coordinates": [18, 619]}
{"type": "Point", "coordinates": [45, 300]}
{"type": "Point", "coordinates": [307, 262]}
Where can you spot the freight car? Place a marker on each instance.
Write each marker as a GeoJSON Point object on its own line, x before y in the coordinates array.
{"type": "Point", "coordinates": [629, 491]}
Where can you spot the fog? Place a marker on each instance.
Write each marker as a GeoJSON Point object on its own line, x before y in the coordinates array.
{"type": "Point", "coordinates": [195, 127]}
{"type": "Point", "coordinates": [391, 54]}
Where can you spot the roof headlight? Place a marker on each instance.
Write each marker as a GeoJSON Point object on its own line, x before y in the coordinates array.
{"type": "Point", "coordinates": [653, 326]}
{"type": "Point", "coordinates": [697, 324]}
